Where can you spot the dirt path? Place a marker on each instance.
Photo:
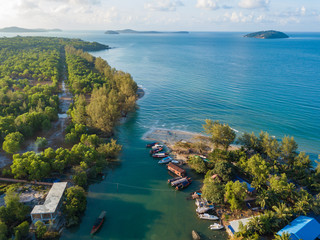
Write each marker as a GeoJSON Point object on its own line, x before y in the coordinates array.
{"type": "Point", "coordinates": [55, 136]}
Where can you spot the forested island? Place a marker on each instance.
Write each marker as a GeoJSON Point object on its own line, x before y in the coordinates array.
{"type": "Point", "coordinates": [271, 34]}
{"type": "Point", "coordinates": [141, 32]}
{"type": "Point", "coordinates": [32, 73]}
{"type": "Point", "coordinates": [22, 30]}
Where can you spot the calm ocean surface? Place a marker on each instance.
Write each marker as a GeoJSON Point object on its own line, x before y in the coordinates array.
{"type": "Point", "coordinates": [251, 84]}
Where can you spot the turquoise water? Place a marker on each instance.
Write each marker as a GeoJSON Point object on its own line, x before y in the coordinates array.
{"type": "Point", "coordinates": [252, 84]}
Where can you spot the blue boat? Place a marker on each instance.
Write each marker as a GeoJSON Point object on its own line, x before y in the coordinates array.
{"type": "Point", "coordinates": [165, 160]}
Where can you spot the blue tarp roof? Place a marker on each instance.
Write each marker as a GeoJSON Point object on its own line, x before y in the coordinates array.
{"type": "Point", "coordinates": [306, 228]}
{"type": "Point", "coordinates": [250, 188]}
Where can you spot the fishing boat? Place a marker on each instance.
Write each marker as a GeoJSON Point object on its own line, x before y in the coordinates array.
{"type": "Point", "coordinates": [165, 160]}
{"type": "Point", "coordinates": [175, 161]}
{"type": "Point", "coordinates": [157, 146]}
{"type": "Point", "coordinates": [207, 216]}
{"type": "Point", "coordinates": [184, 184]}
{"type": "Point", "coordinates": [204, 209]}
{"type": "Point", "coordinates": [98, 222]}
{"type": "Point", "coordinates": [150, 145]}
{"type": "Point", "coordinates": [160, 155]}
{"type": "Point", "coordinates": [216, 226]}
{"type": "Point", "coordinates": [173, 179]}
{"type": "Point", "coordinates": [177, 182]}
{"type": "Point", "coordinates": [156, 150]}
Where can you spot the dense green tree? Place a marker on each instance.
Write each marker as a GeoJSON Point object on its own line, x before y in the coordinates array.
{"type": "Point", "coordinates": [221, 134]}
{"type": "Point", "coordinates": [12, 142]}
{"type": "Point", "coordinates": [109, 150]}
{"type": "Point", "coordinates": [40, 229]}
{"type": "Point", "coordinates": [213, 190]}
{"type": "Point", "coordinates": [250, 142]}
{"type": "Point", "coordinates": [270, 146]}
{"type": "Point", "coordinates": [259, 170]}
{"type": "Point", "coordinates": [197, 163]}
{"type": "Point", "coordinates": [283, 236]}
{"type": "Point", "coordinates": [80, 177]}
{"type": "Point", "coordinates": [21, 231]}
{"type": "Point", "coordinates": [224, 170]}
{"type": "Point", "coordinates": [74, 204]}
{"type": "Point", "coordinates": [235, 193]}
{"type": "Point", "coordinates": [41, 142]}
{"type": "Point", "coordinates": [289, 149]}
{"type": "Point", "coordinates": [3, 230]}
{"type": "Point", "coordinates": [79, 113]}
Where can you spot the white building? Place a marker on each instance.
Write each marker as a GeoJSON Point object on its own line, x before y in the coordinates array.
{"type": "Point", "coordinates": [50, 210]}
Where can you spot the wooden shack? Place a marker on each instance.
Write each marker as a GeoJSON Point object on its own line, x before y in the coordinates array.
{"type": "Point", "coordinates": [176, 170]}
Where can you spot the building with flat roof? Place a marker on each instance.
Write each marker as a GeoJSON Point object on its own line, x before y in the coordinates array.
{"type": "Point", "coordinates": [306, 228]}
{"type": "Point", "coordinates": [233, 226]}
{"type": "Point", "coordinates": [49, 211]}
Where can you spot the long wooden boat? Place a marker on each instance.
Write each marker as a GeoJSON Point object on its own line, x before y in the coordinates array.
{"type": "Point", "coordinates": [150, 145]}
{"type": "Point", "coordinates": [183, 184]}
{"type": "Point", "coordinates": [160, 155]}
{"type": "Point", "coordinates": [98, 222]}
{"type": "Point", "coordinates": [156, 150]}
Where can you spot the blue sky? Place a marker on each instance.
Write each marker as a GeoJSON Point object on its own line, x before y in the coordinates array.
{"type": "Point", "coordinates": [190, 15]}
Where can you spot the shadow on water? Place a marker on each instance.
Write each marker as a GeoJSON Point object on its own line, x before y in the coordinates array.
{"type": "Point", "coordinates": [118, 224]}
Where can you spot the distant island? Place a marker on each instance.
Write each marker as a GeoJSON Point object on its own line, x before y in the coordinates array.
{"type": "Point", "coordinates": [271, 34]}
{"type": "Point", "coordinates": [21, 30]}
{"type": "Point", "coordinates": [137, 32]}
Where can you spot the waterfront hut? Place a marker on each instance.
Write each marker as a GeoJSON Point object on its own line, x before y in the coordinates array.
{"type": "Point", "coordinates": [49, 211]}
{"type": "Point", "coordinates": [176, 170]}
{"type": "Point", "coordinates": [303, 227]}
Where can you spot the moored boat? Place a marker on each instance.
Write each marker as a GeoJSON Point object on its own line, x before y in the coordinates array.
{"type": "Point", "coordinates": [184, 184]}
{"type": "Point", "coordinates": [160, 155]}
{"type": "Point", "coordinates": [177, 182]}
{"type": "Point", "coordinates": [207, 216]}
{"type": "Point", "coordinates": [157, 146]}
{"type": "Point", "coordinates": [150, 145]}
{"type": "Point", "coordinates": [173, 179]}
{"type": "Point", "coordinates": [204, 208]}
{"type": "Point", "coordinates": [165, 160]}
{"type": "Point", "coordinates": [175, 161]}
{"type": "Point", "coordinates": [216, 226]}
{"type": "Point", "coordinates": [156, 150]}
{"type": "Point", "coordinates": [98, 222]}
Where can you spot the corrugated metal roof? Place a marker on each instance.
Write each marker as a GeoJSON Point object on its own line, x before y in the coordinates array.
{"type": "Point", "coordinates": [52, 200]}
{"type": "Point", "coordinates": [236, 223]}
{"type": "Point", "coordinates": [306, 228]}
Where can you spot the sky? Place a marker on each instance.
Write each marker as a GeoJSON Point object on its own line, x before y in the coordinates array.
{"type": "Point", "coordinates": [168, 15]}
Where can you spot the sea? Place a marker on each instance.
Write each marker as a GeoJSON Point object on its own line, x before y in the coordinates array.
{"type": "Point", "coordinates": [252, 84]}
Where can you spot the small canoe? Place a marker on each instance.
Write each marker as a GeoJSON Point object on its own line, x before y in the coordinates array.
{"type": "Point", "coordinates": [98, 223]}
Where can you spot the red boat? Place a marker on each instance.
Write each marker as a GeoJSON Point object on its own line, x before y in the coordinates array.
{"type": "Point", "coordinates": [98, 223]}
{"type": "Point", "coordinates": [150, 145]}
{"type": "Point", "coordinates": [156, 150]}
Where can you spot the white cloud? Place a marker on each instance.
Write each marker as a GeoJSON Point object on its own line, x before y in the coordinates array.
{"type": "Point", "coordinates": [253, 4]}
{"type": "Point", "coordinates": [207, 4]}
{"type": "Point", "coordinates": [164, 5]}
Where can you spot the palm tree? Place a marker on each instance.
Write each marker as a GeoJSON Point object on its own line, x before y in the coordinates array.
{"type": "Point", "coordinates": [283, 236]}
{"type": "Point", "coordinates": [282, 211]}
